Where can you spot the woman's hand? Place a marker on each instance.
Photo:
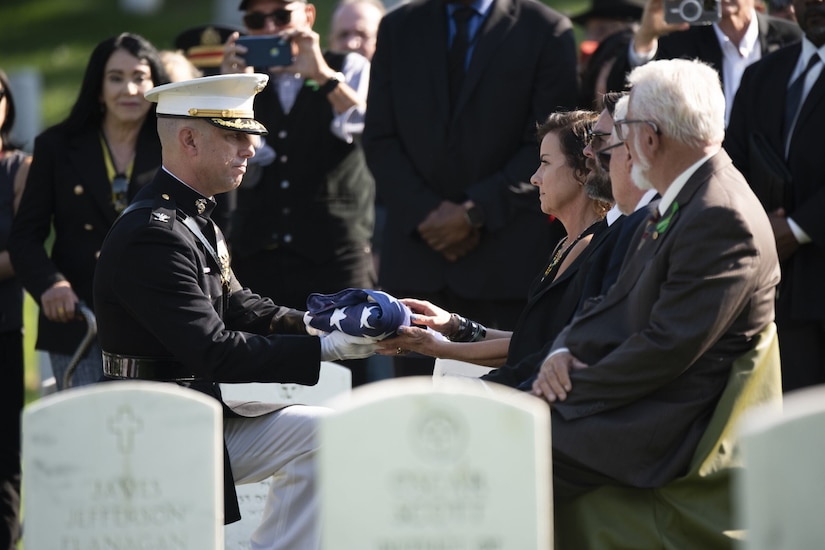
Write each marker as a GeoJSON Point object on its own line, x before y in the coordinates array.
{"type": "Point", "coordinates": [430, 315]}
{"type": "Point", "coordinates": [409, 339]}
{"type": "Point", "coordinates": [58, 303]}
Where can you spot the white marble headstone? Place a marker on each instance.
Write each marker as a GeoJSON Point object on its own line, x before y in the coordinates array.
{"type": "Point", "coordinates": [780, 492]}
{"type": "Point", "coordinates": [460, 465]}
{"type": "Point", "coordinates": [334, 381]}
{"type": "Point", "coordinates": [123, 465]}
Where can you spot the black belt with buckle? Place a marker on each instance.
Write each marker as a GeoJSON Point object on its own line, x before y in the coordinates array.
{"type": "Point", "coordinates": [145, 368]}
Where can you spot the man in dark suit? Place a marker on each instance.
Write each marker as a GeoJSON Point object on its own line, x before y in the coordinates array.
{"type": "Point", "coordinates": [452, 149]}
{"type": "Point", "coordinates": [795, 207]}
{"type": "Point", "coordinates": [304, 219]}
{"type": "Point", "coordinates": [741, 36]}
{"type": "Point", "coordinates": [304, 224]}
{"type": "Point", "coordinates": [637, 374]}
{"type": "Point", "coordinates": [171, 309]}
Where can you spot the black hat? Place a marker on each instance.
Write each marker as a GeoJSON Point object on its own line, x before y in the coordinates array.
{"type": "Point", "coordinates": [203, 45]}
{"type": "Point", "coordinates": [611, 9]}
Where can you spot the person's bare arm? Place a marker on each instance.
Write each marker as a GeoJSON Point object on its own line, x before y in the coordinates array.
{"type": "Point", "coordinates": [490, 353]}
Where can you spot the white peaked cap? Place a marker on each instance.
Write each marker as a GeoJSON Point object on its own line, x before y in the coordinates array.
{"type": "Point", "coordinates": [223, 100]}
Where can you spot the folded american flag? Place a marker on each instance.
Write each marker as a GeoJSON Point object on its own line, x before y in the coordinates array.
{"type": "Point", "coordinates": [357, 312]}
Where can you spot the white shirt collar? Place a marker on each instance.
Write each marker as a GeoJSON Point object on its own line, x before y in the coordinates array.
{"type": "Point", "coordinates": [612, 215]}
{"type": "Point", "coordinates": [749, 40]}
{"type": "Point", "coordinates": [671, 193]}
{"type": "Point", "coordinates": [808, 49]}
{"type": "Point", "coordinates": [646, 198]}
{"type": "Point", "coordinates": [165, 169]}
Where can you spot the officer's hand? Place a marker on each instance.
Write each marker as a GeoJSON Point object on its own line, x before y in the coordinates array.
{"type": "Point", "coordinates": [337, 346]}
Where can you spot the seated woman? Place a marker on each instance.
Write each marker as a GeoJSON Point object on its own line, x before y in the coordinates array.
{"type": "Point", "coordinates": [555, 292]}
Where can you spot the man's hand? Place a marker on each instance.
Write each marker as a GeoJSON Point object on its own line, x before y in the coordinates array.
{"type": "Point", "coordinates": [462, 248]}
{"type": "Point", "coordinates": [553, 380]}
{"type": "Point", "coordinates": [652, 26]}
{"type": "Point", "coordinates": [309, 60]}
{"type": "Point", "coordinates": [233, 60]}
{"type": "Point", "coordinates": [445, 228]}
{"type": "Point", "coordinates": [786, 243]}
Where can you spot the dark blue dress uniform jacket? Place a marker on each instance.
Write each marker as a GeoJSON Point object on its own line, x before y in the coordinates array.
{"type": "Point", "coordinates": [158, 294]}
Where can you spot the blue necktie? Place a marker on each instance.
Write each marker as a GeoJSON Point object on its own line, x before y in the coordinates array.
{"type": "Point", "coordinates": [793, 100]}
{"type": "Point", "coordinates": [457, 56]}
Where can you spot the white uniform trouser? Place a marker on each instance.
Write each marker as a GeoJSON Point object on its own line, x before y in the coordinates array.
{"type": "Point", "coordinates": [283, 446]}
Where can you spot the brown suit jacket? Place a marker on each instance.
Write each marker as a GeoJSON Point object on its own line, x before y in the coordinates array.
{"type": "Point", "coordinates": [660, 343]}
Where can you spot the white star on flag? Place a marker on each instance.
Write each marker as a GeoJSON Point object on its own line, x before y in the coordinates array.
{"type": "Point", "coordinates": [337, 316]}
{"type": "Point", "coordinates": [365, 316]}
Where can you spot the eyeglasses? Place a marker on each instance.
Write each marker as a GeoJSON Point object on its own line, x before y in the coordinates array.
{"type": "Point", "coordinates": [604, 156]}
{"type": "Point", "coordinates": [619, 126]}
{"type": "Point", "coordinates": [594, 139]}
{"type": "Point", "coordinates": [120, 185]}
{"type": "Point", "coordinates": [2, 94]}
{"type": "Point", "coordinates": [256, 20]}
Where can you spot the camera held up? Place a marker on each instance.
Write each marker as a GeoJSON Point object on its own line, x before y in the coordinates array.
{"type": "Point", "coordinates": [695, 12]}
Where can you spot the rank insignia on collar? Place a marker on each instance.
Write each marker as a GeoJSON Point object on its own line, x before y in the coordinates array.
{"type": "Point", "coordinates": [160, 216]}
{"type": "Point", "coordinates": [200, 204]}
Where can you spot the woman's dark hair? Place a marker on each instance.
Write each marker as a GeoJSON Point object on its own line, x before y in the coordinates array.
{"type": "Point", "coordinates": [8, 122]}
{"type": "Point", "coordinates": [572, 128]}
{"type": "Point", "coordinates": [86, 110]}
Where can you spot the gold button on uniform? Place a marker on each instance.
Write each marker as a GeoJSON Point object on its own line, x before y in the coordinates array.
{"type": "Point", "coordinates": [78, 189]}
{"type": "Point", "coordinates": [88, 226]}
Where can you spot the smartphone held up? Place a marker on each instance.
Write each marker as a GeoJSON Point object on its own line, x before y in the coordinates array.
{"type": "Point", "coordinates": [266, 51]}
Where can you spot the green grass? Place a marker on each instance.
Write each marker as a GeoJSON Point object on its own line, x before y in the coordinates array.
{"type": "Point", "coordinates": [56, 37]}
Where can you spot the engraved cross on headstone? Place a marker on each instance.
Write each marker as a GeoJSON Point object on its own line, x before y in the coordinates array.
{"type": "Point", "coordinates": [288, 390]}
{"type": "Point", "coordinates": [124, 424]}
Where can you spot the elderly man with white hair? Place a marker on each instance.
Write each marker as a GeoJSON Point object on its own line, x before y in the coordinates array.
{"type": "Point", "coordinates": [635, 377]}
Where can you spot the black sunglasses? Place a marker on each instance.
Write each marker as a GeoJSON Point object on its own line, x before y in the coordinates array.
{"type": "Point", "coordinates": [604, 156]}
{"type": "Point", "coordinates": [120, 185]}
{"type": "Point", "coordinates": [256, 20]}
